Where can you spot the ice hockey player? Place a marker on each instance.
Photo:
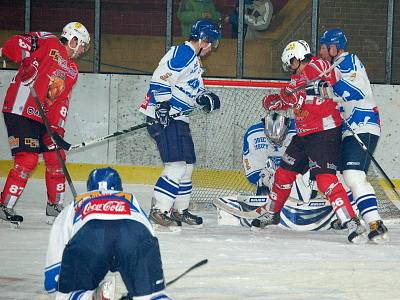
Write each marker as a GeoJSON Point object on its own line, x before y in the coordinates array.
{"type": "Point", "coordinates": [317, 142]}
{"type": "Point", "coordinates": [263, 145]}
{"type": "Point", "coordinates": [361, 113]}
{"type": "Point", "coordinates": [176, 86]}
{"type": "Point", "coordinates": [103, 230]}
{"type": "Point", "coordinates": [47, 65]}
{"type": "Point", "coordinates": [267, 141]}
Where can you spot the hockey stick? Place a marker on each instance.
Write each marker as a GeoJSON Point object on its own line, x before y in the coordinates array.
{"type": "Point", "coordinates": [67, 146]}
{"type": "Point", "coordinates": [50, 133]}
{"type": "Point", "coordinates": [364, 147]}
{"type": "Point", "coordinates": [322, 74]}
{"type": "Point", "coordinates": [195, 266]}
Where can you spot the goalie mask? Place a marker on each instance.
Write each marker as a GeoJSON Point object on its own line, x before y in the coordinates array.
{"type": "Point", "coordinates": [104, 179]}
{"type": "Point", "coordinates": [276, 127]}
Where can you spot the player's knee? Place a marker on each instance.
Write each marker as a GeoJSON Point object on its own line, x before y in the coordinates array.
{"type": "Point", "coordinates": [175, 170]}
{"type": "Point", "coordinates": [284, 178]}
{"type": "Point", "coordinates": [188, 172]}
{"type": "Point", "coordinates": [354, 178]}
{"type": "Point", "coordinates": [25, 163]}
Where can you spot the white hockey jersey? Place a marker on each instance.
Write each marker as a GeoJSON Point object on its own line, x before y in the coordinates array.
{"type": "Point", "coordinates": [99, 205]}
{"type": "Point", "coordinates": [178, 79]}
{"type": "Point", "coordinates": [359, 107]}
{"type": "Point", "coordinates": [257, 150]}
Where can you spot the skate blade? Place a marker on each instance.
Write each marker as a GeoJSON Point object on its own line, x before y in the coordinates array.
{"type": "Point", "coordinates": [11, 225]}
{"type": "Point", "coordinates": [380, 239]}
{"type": "Point", "coordinates": [167, 229]}
{"type": "Point", "coordinates": [359, 240]}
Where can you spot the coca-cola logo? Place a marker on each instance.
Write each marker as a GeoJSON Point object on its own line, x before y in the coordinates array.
{"type": "Point", "coordinates": [105, 206]}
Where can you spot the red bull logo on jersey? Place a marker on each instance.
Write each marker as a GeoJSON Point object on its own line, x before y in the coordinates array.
{"type": "Point", "coordinates": [107, 207]}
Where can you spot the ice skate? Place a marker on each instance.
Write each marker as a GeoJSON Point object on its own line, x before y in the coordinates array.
{"type": "Point", "coordinates": [265, 220]}
{"type": "Point", "coordinates": [186, 217]}
{"type": "Point", "coordinates": [162, 221]}
{"type": "Point", "coordinates": [356, 231]}
{"type": "Point", "coordinates": [337, 225]}
{"type": "Point", "coordinates": [378, 232]}
{"type": "Point", "coordinates": [52, 211]}
{"type": "Point", "coordinates": [9, 215]}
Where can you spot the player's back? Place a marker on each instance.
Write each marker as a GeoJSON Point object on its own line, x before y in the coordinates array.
{"type": "Point", "coordinates": [107, 205]}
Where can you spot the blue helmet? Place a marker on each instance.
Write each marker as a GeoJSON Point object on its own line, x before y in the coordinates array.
{"type": "Point", "coordinates": [334, 36]}
{"type": "Point", "coordinates": [205, 30]}
{"type": "Point", "coordinates": [104, 179]}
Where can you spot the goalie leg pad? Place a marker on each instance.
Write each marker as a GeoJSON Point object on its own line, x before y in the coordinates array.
{"type": "Point", "coordinates": [167, 186]}
{"type": "Point", "coordinates": [55, 178]}
{"type": "Point", "coordinates": [24, 164]}
{"type": "Point", "coordinates": [363, 195]}
{"type": "Point", "coordinates": [337, 196]}
{"type": "Point", "coordinates": [282, 187]}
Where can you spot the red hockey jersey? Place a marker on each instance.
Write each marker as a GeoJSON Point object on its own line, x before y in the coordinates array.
{"type": "Point", "coordinates": [312, 113]}
{"type": "Point", "coordinates": [57, 74]}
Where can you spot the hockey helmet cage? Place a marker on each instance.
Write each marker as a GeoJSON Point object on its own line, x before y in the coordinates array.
{"type": "Point", "coordinates": [276, 127]}
{"type": "Point", "coordinates": [296, 49]}
{"type": "Point", "coordinates": [76, 29]}
{"type": "Point", "coordinates": [336, 37]}
{"type": "Point", "coordinates": [104, 179]}
{"type": "Point", "coordinates": [206, 30]}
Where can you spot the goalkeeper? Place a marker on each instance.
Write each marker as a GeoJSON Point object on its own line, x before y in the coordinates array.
{"type": "Point", "coordinates": [263, 146]}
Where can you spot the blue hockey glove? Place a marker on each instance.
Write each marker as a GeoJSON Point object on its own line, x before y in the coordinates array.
{"type": "Point", "coordinates": [316, 88]}
{"type": "Point", "coordinates": [209, 101]}
{"type": "Point", "coordinates": [162, 113]}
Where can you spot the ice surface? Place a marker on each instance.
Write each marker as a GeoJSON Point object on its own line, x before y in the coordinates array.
{"type": "Point", "coordinates": [272, 264]}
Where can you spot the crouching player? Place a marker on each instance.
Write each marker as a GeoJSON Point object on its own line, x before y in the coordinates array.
{"type": "Point", "coordinates": [263, 146]}
{"type": "Point", "coordinates": [103, 230]}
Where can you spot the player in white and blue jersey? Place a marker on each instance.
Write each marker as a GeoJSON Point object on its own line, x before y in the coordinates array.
{"type": "Point", "coordinates": [103, 230]}
{"type": "Point", "coordinates": [177, 86]}
{"type": "Point", "coordinates": [361, 114]}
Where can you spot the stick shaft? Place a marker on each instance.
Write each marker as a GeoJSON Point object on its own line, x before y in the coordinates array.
{"type": "Point", "coordinates": [50, 133]}
{"type": "Point", "coordinates": [195, 266]}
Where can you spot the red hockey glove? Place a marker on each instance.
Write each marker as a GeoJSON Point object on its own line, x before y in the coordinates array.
{"type": "Point", "coordinates": [28, 71]}
{"type": "Point", "coordinates": [58, 133]}
{"type": "Point", "coordinates": [270, 102]}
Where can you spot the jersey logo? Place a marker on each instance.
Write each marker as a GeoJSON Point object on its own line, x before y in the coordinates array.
{"type": "Point", "coordinates": [13, 142]}
{"type": "Point", "coordinates": [105, 206]}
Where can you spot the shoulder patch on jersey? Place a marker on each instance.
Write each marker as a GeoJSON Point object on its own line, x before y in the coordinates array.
{"type": "Point", "coordinates": [348, 63]}
{"type": "Point", "coordinates": [182, 56]}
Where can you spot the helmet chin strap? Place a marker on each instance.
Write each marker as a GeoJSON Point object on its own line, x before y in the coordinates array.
{"type": "Point", "coordinates": [201, 48]}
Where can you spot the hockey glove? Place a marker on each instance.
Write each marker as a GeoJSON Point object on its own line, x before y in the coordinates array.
{"type": "Point", "coordinates": [271, 102]}
{"type": "Point", "coordinates": [51, 143]}
{"type": "Point", "coordinates": [28, 71]}
{"type": "Point", "coordinates": [320, 88]}
{"type": "Point", "coordinates": [209, 101]}
{"type": "Point", "coordinates": [162, 113]}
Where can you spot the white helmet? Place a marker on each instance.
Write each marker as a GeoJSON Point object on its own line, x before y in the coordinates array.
{"type": "Point", "coordinates": [297, 49]}
{"type": "Point", "coordinates": [76, 29]}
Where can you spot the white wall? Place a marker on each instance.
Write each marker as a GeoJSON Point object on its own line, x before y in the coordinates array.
{"type": "Point", "coordinates": [104, 103]}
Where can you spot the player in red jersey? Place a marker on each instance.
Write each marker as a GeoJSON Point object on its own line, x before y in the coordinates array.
{"type": "Point", "coordinates": [316, 145]}
{"type": "Point", "coordinates": [48, 66]}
